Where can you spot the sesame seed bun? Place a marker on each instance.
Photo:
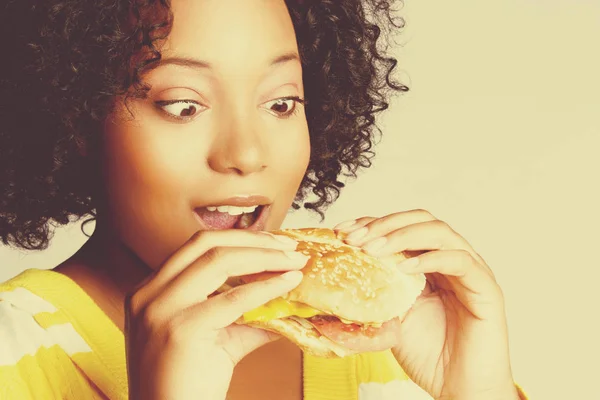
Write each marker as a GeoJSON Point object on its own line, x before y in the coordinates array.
{"type": "Point", "coordinates": [343, 281]}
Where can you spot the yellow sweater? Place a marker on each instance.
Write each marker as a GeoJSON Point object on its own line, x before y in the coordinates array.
{"type": "Point", "coordinates": [56, 343]}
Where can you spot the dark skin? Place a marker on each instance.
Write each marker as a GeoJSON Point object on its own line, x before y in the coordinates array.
{"type": "Point", "coordinates": [237, 139]}
{"type": "Point", "coordinates": [266, 373]}
{"type": "Point", "coordinates": [240, 137]}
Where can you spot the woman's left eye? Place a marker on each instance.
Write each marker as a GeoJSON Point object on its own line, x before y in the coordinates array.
{"type": "Point", "coordinates": [284, 107]}
{"type": "Point", "coordinates": [180, 109]}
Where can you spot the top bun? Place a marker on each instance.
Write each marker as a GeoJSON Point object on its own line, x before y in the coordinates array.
{"type": "Point", "coordinates": [342, 280]}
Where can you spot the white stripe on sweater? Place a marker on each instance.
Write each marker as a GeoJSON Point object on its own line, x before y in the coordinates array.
{"type": "Point", "coordinates": [21, 335]}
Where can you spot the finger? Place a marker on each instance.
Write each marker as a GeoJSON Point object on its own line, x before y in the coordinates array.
{"type": "Point", "coordinates": [224, 309]}
{"type": "Point", "coordinates": [248, 339]}
{"type": "Point", "coordinates": [353, 224]}
{"type": "Point", "coordinates": [424, 236]}
{"type": "Point", "coordinates": [211, 271]}
{"type": "Point", "coordinates": [384, 225]}
{"type": "Point", "coordinates": [428, 235]}
{"type": "Point", "coordinates": [200, 243]}
{"type": "Point", "coordinates": [469, 280]}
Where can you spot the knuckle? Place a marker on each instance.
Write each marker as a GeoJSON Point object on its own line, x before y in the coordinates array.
{"type": "Point", "coordinates": [368, 222]}
{"type": "Point", "coordinates": [174, 332]}
{"type": "Point", "coordinates": [270, 283]}
{"type": "Point", "coordinates": [440, 225]}
{"type": "Point", "coordinates": [198, 236]}
{"type": "Point", "coordinates": [223, 261]}
{"type": "Point", "coordinates": [466, 256]}
{"type": "Point", "coordinates": [365, 220]}
{"type": "Point", "coordinates": [500, 292]}
{"type": "Point", "coordinates": [489, 271]}
{"type": "Point", "coordinates": [423, 213]}
{"type": "Point", "coordinates": [236, 295]}
{"type": "Point", "coordinates": [149, 316]}
{"type": "Point", "coordinates": [134, 303]}
{"type": "Point", "coordinates": [213, 254]}
{"type": "Point", "coordinates": [268, 239]}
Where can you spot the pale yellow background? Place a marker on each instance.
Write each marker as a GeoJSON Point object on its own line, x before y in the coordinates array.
{"type": "Point", "coordinates": [500, 137]}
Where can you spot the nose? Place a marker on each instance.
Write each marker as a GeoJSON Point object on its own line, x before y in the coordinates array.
{"type": "Point", "coordinates": [239, 147]}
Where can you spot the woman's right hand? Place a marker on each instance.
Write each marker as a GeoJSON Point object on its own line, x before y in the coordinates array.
{"type": "Point", "coordinates": [180, 343]}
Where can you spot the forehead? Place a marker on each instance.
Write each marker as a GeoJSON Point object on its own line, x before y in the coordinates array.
{"type": "Point", "coordinates": [225, 32]}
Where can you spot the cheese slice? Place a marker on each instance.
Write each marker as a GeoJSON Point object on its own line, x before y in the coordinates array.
{"type": "Point", "coordinates": [280, 308]}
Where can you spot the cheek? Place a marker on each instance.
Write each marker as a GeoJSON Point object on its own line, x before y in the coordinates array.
{"type": "Point", "coordinates": [146, 168]}
{"type": "Point", "coordinates": [148, 181]}
{"type": "Point", "coordinates": [292, 158]}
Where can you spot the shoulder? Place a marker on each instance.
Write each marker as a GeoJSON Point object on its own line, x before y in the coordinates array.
{"type": "Point", "coordinates": [29, 323]}
{"type": "Point", "coordinates": [22, 330]}
{"type": "Point", "coordinates": [34, 362]}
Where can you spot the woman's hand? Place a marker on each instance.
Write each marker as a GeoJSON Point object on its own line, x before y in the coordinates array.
{"type": "Point", "coordinates": [180, 342]}
{"type": "Point", "coordinates": [453, 343]}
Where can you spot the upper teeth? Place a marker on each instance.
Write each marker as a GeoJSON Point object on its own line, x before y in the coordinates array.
{"type": "Point", "coordinates": [232, 210]}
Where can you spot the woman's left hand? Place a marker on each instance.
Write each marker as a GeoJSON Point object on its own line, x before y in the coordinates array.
{"type": "Point", "coordinates": [453, 343]}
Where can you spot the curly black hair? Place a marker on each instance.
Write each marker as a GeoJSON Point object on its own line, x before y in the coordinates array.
{"type": "Point", "coordinates": [65, 62]}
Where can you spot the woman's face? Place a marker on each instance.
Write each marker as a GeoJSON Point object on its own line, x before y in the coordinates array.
{"type": "Point", "coordinates": [212, 128]}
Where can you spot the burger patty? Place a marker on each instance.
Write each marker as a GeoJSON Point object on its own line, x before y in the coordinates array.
{"type": "Point", "coordinates": [356, 336]}
{"type": "Point", "coordinates": [367, 330]}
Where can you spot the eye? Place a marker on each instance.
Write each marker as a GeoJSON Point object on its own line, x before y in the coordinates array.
{"type": "Point", "coordinates": [284, 107]}
{"type": "Point", "coordinates": [180, 109]}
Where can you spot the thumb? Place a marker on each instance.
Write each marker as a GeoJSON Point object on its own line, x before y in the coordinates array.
{"type": "Point", "coordinates": [245, 339]}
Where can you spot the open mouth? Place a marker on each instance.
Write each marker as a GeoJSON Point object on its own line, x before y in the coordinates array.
{"type": "Point", "coordinates": [214, 219]}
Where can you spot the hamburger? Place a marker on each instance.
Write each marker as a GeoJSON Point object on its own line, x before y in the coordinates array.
{"type": "Point", "coordinates": [348, 302]}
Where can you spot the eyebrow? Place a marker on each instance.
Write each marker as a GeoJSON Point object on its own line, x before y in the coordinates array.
{"type": "Point", "coordinates": [200, 64]}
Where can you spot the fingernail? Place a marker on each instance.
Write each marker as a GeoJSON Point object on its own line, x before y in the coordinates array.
{"type": "Point", "coordinates": [409, 264]}
{"type": "Point", "coordinates": [374, 245]}
{"type": "Point", "coordinates": [292, 275]}
{"type": "Point", "coordinates": [344, 225]}
{"type": "Point", "coordinates": [297, 257]}
{"type": "Point", "coordinates": [285, 239]}
{"type": "Point", "coordinates": [359, 234]}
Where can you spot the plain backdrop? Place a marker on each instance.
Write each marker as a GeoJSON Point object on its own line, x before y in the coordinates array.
{"type": "Point", "coordinates": [500, 137]}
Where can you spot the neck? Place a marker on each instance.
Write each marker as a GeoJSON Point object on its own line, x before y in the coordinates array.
{"type": "Point", "coordinates": [107, 271]}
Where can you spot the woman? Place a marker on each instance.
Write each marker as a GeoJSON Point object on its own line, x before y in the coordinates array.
{"type": "Point", "coordinates": [148, 115]}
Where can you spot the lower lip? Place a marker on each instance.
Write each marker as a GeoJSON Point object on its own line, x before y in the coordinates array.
{"type": "Point", "coordinates": [257, 225]}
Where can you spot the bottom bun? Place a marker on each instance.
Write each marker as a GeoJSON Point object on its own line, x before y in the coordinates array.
{"type": "Point", "coordinates": [308, 339]}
